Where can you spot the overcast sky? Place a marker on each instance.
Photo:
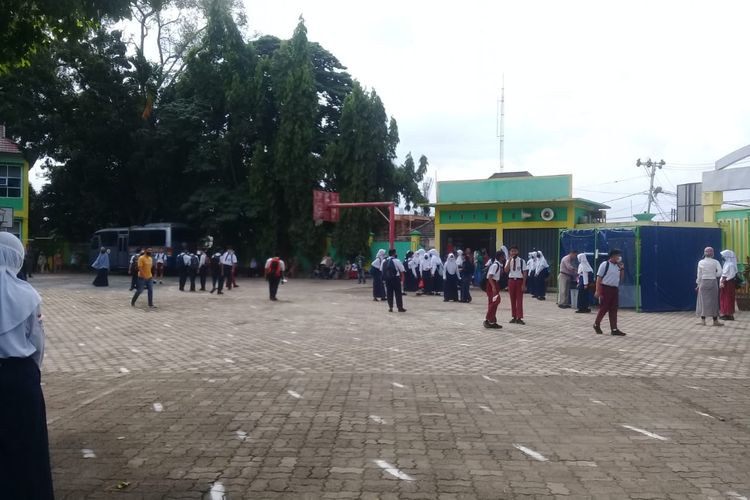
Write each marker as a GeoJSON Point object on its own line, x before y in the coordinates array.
{"type": "Point", "coordinates": [590, 86]}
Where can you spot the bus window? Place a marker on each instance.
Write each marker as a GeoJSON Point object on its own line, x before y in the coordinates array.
{"type": "Point", "coordinates": [108, 238]}
{"type": "Point", "coordinates": [148, 238]}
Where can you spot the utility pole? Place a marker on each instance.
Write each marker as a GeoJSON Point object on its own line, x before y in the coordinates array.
{"type": "Point", "coordinates": [652, 166]}
{"type": "Point", "coordinates": [500, 124]}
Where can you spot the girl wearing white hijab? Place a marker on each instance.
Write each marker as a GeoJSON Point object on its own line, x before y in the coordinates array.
{"type": "Point", "coordinates": [450, 279]}
{"type": "Point", "coordinates": [376, 271]}
{"type": "Point", "coordinates": [585, 277]}
{"type": "Point", "coordinates": [541, 275]}
{"type": "Point", "coordinates": [531, 282]}
{"type": "Point", "coordinates": [728, 285]}
{"type": "Point", "coordinates": [437, 272]}
{"type": "Point", "coordinates": [425, 267]}
{"type": "Point", "coordinates": [24, 446]}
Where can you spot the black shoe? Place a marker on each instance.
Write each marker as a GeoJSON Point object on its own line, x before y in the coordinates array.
{"type": "Point", "coordinates": [520, 322]}
{"type": "Point", "coordinates": [495, 326]}
{"type": "Point", "coordinates": [584, 311]}
{"type": "Point", "coordinates": [219, 293]}
{"type": "Point", "coordinates": [618, 333]}
{"type": "Point", "coordinates": [375, 299]}
{"type": "Point", "coordinates": [132, 303]}
{"type": "Point", "coordinates": [402, 310]}
{"type": "Point", "coordinates": [513, 321]}
{"type": "Point", "coordinates": [274, 299]}
{"type": "Point", "coordinates": [152, 307]}
{"type": "Point", "coordinates": [598, 330]}
{"type": "Point", "coordinates": [487, 324]}
{"type": "Point", "coordinates": [541, 298]}
{"type": "Point", "coordinates": [390, 309]}
{"type": "Point", "coordinates": [213, 290]}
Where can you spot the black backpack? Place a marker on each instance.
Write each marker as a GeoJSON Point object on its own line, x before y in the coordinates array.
{"type": "Point", "coordinates": [485, 271]}
{"type": "Point", "coordinates": [390, 271]}
{"type": "Point", "coordinates": [180, 261]}
{"type": "Point", "coordinates": [194, 262]}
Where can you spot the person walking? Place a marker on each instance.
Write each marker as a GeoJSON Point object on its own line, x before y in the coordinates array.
{"type": "Point", "coordinates": [515, 268]}
{"type": "Point", "coordinates": [728, 285]}
{"type": "Point", "coordinates": [393, 269]}
{"type": "Point", "coordinates": [542, 273]}
{"type": "Point", "coordinates": [228, 261]}
{"type": "Point", "coordinates": [608, 279]}
{"type": "Point", "coordinates": [133, 269]}
{"type": "Point", "coordinates": [568, 275]}
{"type": "Point", "coordinates": [450, 279]}
{"type": "Point", "coordinates": [274, 268]}
{"type": "Point", "coordinates": [493, 292]}
{"type": "Point", "coordinates": [376, 271]}
{"type": "Point", "coordinates": [707, 285]}
{"type": "Point", "coordinates": [585, 277]}
{"type": "Point", "coordinates": [203, 265]}
{"type": "Point", "coordinates": [145, 279]}
{"type": "Point", "coordinates": [101, 264]}
{"type": "Point", "coordinates": [25, 471]}
{"type": "Point", "coordinates": [467, 275]}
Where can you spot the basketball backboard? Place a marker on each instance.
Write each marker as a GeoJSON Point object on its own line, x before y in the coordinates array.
{"type": "Point", "coordinates": [6, 217]}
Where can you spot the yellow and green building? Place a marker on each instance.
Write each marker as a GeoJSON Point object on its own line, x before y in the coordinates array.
{"type": "Point", "coordinates": [14, 189]}
{"type": "Point", "coordinates": [511, 209]}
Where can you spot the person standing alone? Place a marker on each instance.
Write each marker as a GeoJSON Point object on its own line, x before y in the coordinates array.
{"type": "Point", "coordinates": [393, 269]}
{"type": "Point", "coordinates": [228, 261]}
{"type": "Point", "coordinates": [275, 268]}
{"type": "Point", "coordinates": [608, 279]}
{"type": "Point", "coordinates": [568, 273]}
{"type": "Point", "coordinates": [728, 285]}
{"type": "Point", "coordinates": [492, 288]}
{"type": "Point", "coordinates": [707, 286]}
{"type": "Point", "coordinates": [516, 270]}
{"type": "Point", "coordinates": [145, 278]}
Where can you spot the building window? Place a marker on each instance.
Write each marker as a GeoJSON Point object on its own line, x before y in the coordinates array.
{"type": "Point", "coordinates": [10, 181]}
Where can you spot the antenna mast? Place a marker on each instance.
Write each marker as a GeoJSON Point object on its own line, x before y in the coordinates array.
{"type": "Point", "coordinates": [500, 124]}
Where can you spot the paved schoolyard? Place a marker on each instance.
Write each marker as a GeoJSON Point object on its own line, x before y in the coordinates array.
{"type": "Point", "coordinates": [324, 394]}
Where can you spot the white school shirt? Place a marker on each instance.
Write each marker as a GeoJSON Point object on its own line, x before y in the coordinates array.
{"type": "Point", "coordinates": [160, 257]}
{"type": "Point", "coordinates": [494, 271]}
{"type": "Point", "coordinates": [228, 259]}
{"type": "Point", "coordinates": [708, 269]}
{"type": "Point", "coordinates": [281, 264]}
{"type": "Point", "coordinates": [612, 277]}
{"type": "Point", "coordinates": [25, 340]}
{"type": "Point", "coordinates": [520, 268]}
{"type": "Point", "coordinates": [399, 266]}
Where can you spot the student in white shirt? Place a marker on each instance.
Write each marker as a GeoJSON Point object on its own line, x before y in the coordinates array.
{"type": "Point", "coordinates": [585, 273]}
{"type": "Point", "coordinates": [493, 291]}
{"type": "Point", "coordinates": [707, 286]}
{"type": "Point", "coordinates": [228, 261]}
{"type": "Point", "coordinates": [275, 268]}
{"type": "Point", "coordinates": [393, 270]}
{"type": "Point", "coordinates": [517, 272]}
{"type": "Point", "coordinates": [160, 258]}
{"type": "Point", "coordinates": [608, 279]}
{"type": "Point", "coordinates": [376, 271]}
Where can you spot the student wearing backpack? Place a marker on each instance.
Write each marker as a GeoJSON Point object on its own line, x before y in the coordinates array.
{"type": "Point", "coordinates": [467, 275]}
{"type": "Point", "coordinates": [393, 269]}
{"type": "Point", "coordinates": [182, 262]}
{"type": "Point", "coordinates": [608, 279]}
{"type": "Point", "coordinates": [492, 287]}
{"type": "Point", "coordinates": [203, 264]}
{"type": "Point", "coordinates": [376, 271]}
{"type": "Point", "coordinates": [216, 279]}
{"type": "Point", "coordinates": [228, 263]}
{"type": "Point", "coordinates": [275, 268]}
{"type": "Point", "coordinates": [133, 269]}
{"type": "Point", "coordinates": [193, 269]}
{"type": "Point", "coordinates": [160, 258]}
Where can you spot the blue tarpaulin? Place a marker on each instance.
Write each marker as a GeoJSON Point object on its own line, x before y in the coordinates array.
{"type": "Point", "coordinates": [669, 258]}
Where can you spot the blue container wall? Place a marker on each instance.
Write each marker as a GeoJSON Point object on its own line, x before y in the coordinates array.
{"type": "Point", "coordinates": [669, 258]}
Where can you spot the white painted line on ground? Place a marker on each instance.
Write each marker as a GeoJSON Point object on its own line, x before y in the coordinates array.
{"type": "Point", "coordinates": [572, 370]}
{"type": "Point", "coordinates": [97, 328]}
{"type": "Point", "coordinates": [671, 345]}
{"type": "Point", "coordinates": [158, 407]}
{"type": "Point", "coordinates": [241, 435]}
{"type": "Point", "coordinates": [489, 378]}
{"type": "Point", "coordinates": [581, 463]}
{"type": "Point", "coordinates": [465, 345]}
{"type": "Point", "coordinates": [596, 401]}
{"type": "Point", "coordinates": [394, 349]}
{"type": "Point", "coordinates": [124, 370]}
{"type": "Point", "coordinates": [87, 453]}
{"type": "Point", "coordinates": [705, 414]}
{"type": "Point", "coordinates": [81, 344]}
{"type": "Point", "coordinates": [645, 433]}
{"type": "Point", "coordinates": [158, 339]}
{"type": "Point", "coordinates": [377, 419]}
{"type": "Point", "coordinates": [318, 355]}
{"type": "Point", "coordinates": [217, 492]}
{"type": "Point", "coordinates": [227, 360]}
{"type": "Point", "coordinates": [134, 350]}
{"type": "Point", "coordinates": [533, 454]}
{"type": "Point", "coordinates": [286, 342]}
{"type": "Point", "coordinates": [486, 408]}
{"type": "Point", "coordinates": [735, 495]}
{"type": "Point", "coordinates": [294, 394]}
{"type": "Point", "coordinates": [293, 332]}
{"type": "Point", "coordinates": [167, 325]}
{"type": "Point", "coordinates": [356, 338]}
{"type": "Point", "coordinates": [400, 386]}
{"type": "Point", "coordinates": [718, 359]}
{"type": "Point", "coordinates": [230, 335]}
{"type": "Point", "coordinates": [211, 346]}
{"type": "Point", "coordinates": [120, 438]}
{"type": "Point", "coordinates": [393, 471]}
{"type": "Point", "coordinates": [696, 387]}
{"type": "Point", "coordinates": [211, 380]}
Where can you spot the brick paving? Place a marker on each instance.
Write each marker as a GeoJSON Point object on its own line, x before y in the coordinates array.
{"type": "Point", "coordinates": [324, 394]}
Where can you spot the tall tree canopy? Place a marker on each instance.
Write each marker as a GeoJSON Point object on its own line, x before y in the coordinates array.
{"type": "Point", "coordinates": [228, 135]}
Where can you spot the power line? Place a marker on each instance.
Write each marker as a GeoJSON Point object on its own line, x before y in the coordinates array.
{"type": "Point", "coordinates": [640, 193]}
{"type": "Point", "coordinates": [612, 182]}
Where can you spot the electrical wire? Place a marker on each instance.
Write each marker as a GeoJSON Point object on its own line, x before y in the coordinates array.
{"type": "Point", "coordinates": [612, 182]}
{"type": "Point", "coordinates": [628, 196]}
